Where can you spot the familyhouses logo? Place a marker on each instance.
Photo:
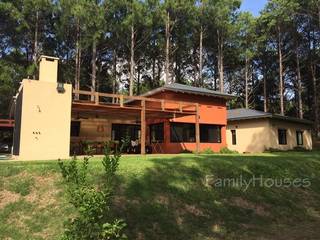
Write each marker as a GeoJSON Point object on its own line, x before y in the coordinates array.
{"type": "Point", "coordinates": [244, 182]}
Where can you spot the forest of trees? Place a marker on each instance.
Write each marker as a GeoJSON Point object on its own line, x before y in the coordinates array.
{"type": "Point", "coordinates": [271, 62]}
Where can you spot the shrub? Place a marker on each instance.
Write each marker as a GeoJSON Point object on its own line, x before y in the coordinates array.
{"type": "Point", "coordinates": [207, 151]}
{"type": "Point", "coordinates": [93, 219]}
{"type": "Point", "coordinates": [226, 150]}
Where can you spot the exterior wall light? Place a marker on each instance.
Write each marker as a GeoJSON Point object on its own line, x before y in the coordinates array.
{"type": "Point", "coordinates": [60, 87]}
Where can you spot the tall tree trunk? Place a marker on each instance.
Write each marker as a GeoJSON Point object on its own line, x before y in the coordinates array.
{"type": "Point", "coordinates": [246, 82]}
{"type": "Point", "coordinates": [200, 83]}
{"type": "Point", "coordinates": [265, 95]}
{"type": "Point", "coordinates": [114, 74]}
{"type": "Point", "coordinates": [220, 60]}
{"type": "Point", "coordinates": [35, 47]}
{"type": "Point", "coordinates": [93, 69]}
{"type": "Point", "coordinates": [77, 61]}
{"type": "Point", "coordinates": [132, 64]}
{"type": "Point", "coordinates": [167, 61]}
{"type": "Point", "coordinates": [315, 97]}
{"type": "Point", "coordinates": [299, 83]}
{"type": "Point", "coordinates": [138, 82]}
{"type": "Point", "coordinates": [281, 88]}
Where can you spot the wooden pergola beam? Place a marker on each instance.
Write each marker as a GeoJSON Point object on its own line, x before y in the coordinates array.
{"type": "Point", "coordinates": [197, 130]}
{"type": "Point", "coordinates": [143, 127]}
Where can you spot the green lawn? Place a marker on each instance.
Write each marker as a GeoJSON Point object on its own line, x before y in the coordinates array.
{"type": "Point", "coordinates": [165, 197]}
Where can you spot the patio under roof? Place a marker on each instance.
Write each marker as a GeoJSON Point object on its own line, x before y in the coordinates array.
{"type": "Point", "coordinates": [87, 103]}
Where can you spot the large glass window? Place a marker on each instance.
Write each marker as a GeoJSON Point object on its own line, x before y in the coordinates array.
{"type": "Point", "coordinates": [210, 133]}
{"type": "Point", "coordinates": [182, 132]}
{"type": "Point", "coordinates": [299, 138]}
{"type": "Point", "coordinates": [124, 131]}
{"type": "Point", "coordinates": [156, 133]}
{"type": "Point", "coordinates": [234, 137]}
{"type": "Point", "coordinates": [282, 136]}
{"type": "Point", "coordinates": [75, 128]}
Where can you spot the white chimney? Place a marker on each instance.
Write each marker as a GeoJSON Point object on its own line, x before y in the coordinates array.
{"type": "Point", "coordinates": [48, 71]}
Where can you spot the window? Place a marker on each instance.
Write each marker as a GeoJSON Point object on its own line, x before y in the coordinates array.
{"type": "Point", "coordinates": [124, 131]}
{"type": "Point", "coordinates": [210, 133]}
{"type": "Point", "coordinates": [234, 137]}
{"type": "Point", "coordinates": [182, 132]}
{"type": "Point", "coordinates": [282, 136]}
{"type": "Point", "coordinates": [75, 128]}
{"type": "Point", "coordinates": [156, 133]}
{"type": "Point", "coordinates": [299, 138]}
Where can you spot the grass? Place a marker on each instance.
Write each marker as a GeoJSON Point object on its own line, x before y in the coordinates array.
{"type": "Point", "coordinates": [166, 197]}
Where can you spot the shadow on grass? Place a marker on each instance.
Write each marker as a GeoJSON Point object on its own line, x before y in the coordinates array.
{"type": "Point", "coordinates": [170, 200]}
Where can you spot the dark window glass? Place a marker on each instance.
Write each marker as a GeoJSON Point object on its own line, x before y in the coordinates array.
{"type": "Point", "coordinates": [124, 131]}
{"type": "Point", "coordinates": [282, 136]}
{"type": "Point", "coordinates": [299, 138]}
{"type": "Point", "coordinates": [210, 133]}
{"type": "Point", "coordinates": [156, 133]}
{"type": "Point", "coordinates": [75, 128]}
{"type": "Point", "coordinates": [234, 137]}
{"type": "Point", "coordinates": [182, 132]}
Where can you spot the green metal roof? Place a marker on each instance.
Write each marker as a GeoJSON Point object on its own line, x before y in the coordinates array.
{"type": "Point", "coordinates": [177, 87]}
{"type": "Point", "coordinates": [244, 114]}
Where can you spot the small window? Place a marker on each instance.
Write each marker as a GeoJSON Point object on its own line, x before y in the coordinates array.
{"type": "Point", "coordinates": [156, 133]}
{"type": "Point", "coordinates": [299, 138]}
{"type": "Point", "coordinates": [210, 133]}
{"type": "Point", "coordinates": [75, 129]}
{"type": "Point", "coordinates": [234, 137]}
{"type": "Point", "coordinates": [282, 136]}
{"type": "Point", "coordinates": [182, 132]}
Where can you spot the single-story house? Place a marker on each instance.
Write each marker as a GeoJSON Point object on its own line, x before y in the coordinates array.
{"type": "Point", "coordinates": [256, 131]}
{"type": "Point", "coordinates": [53, 121]}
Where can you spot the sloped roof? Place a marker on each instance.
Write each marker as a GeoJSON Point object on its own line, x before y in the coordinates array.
{"type": "Point", "coordinates": [243, 114]}
{"type": "Point", "coordinates": [177, 87]}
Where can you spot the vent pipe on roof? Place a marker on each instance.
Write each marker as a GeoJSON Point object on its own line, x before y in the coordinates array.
{"type": "Point", "coordinates": [48, 69]}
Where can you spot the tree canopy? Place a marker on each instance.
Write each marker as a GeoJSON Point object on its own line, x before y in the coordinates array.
{"type": "Point", "coordinates": [271, 62]}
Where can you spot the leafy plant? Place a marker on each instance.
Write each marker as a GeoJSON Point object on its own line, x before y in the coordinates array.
{"type": "Point", "coordinates": [226, 150]}
{"type": "Point", "coordinates": [207, 151]}
{"type": "Point", "coordinates": [94, 220]}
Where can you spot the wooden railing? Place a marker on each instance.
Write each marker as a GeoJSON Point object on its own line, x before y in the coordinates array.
{"type": "Point", "coordinates": [6, 122]}
{"type": "Point", "coordinates": [124, 101]}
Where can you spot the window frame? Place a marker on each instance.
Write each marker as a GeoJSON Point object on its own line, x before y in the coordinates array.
{"type": "Point", "coordinates": [285, 142]}
{"type": "Point", "coordinates": [136, 129]}
{"type": "Point", "coordinates": [72, 126]}
{"type": "Point", "coordinates": [172, 124]}
{"type": "Point", "coordinates": [217, 127]}
{"type": "Point", "coordinates": [161, 126]}
{"type": "Point", "coordinates": [234, 136]}
{"type": "Point", "coordinates": [297, 138]}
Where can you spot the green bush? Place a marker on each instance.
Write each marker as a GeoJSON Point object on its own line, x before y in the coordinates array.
{"type": "Point", "coordinates": [93, 219]}
{"type": "Point", "coordinates": [226, 150]}
{"type": "Point", "coordinates": [207, 151]}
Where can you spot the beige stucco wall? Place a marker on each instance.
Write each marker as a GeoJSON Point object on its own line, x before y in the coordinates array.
{"type": "Point", "coordinates": [252, 135]}
{"type": "Point", "coordinates": [258, 135]}
{"type": "Point", "coordinates": [45, 121]}
{"type": "Point", "coordinates": [291, 134]}
{"type": "Point", "coordinates": [48, 69]}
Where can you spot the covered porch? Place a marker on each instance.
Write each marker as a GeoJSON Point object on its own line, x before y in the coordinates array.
{"type": "Point", "coordinates": [100, 117]}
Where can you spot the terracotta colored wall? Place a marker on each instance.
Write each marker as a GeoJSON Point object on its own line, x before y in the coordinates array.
{"type": "Point", "coordinates": [212, 111]}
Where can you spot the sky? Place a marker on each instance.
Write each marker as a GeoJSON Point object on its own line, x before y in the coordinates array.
{"type": "Point", "coordinates": [253, 6]}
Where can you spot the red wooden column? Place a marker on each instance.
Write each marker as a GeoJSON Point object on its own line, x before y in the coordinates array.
{"type": "Point", "coordinates": [143, 127]}
{"type": "Point", "coordinates": [197, 130]}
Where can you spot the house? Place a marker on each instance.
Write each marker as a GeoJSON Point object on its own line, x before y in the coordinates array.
{"type": "Point", "coordinates": [255, 131]}
{"type": "Point", "coordinates": [52, 120]}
